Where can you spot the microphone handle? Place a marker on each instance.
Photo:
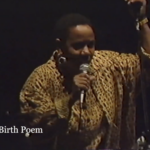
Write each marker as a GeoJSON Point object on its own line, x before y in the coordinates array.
{"type": "Point", "coordinates": [82, 95]}
{"type": "Point", "coordinates": [82, 98]}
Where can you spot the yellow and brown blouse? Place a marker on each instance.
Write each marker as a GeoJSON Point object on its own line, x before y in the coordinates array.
{"type": "Point", "coordinates": [109, 118]}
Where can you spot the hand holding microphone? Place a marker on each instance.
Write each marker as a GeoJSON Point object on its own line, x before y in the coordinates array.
{"type": "Point", "coordinates": [82, 81]}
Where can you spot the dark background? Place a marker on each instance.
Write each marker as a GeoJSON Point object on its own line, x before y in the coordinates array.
{"type": "Point", "coordinates": [27, 42]}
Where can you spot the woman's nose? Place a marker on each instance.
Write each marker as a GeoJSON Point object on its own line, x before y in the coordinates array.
{"type": "Point", "coordinates": [85, 51]}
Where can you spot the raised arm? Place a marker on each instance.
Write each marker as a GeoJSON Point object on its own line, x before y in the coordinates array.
{"type": "Point", "coordinates": [143, 24]}
{"type": "Point", "coordinates": [120, 72]}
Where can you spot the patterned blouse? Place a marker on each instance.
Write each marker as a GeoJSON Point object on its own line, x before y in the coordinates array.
{"type": "Point", "coordinates": [108, 121]}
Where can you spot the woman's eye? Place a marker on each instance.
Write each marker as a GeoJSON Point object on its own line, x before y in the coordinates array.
{"type": "Point", "coordinates": [81, 45]}
{"type": "Point", "coordinates": [78, 46]}
{"type": "Point", "coordinates": [91, 44]}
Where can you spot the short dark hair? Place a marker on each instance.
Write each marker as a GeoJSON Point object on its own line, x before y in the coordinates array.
{"type": "Point", "coordinates": [68, 21]}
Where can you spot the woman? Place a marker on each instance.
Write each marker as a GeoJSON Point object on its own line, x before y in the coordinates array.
{"type": "Point", "coordinates": [51, 95]}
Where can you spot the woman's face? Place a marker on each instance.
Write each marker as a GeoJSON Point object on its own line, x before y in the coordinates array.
{"type": "Point", "coordinates": [80, 45]}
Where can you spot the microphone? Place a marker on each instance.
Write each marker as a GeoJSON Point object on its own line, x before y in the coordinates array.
{"type": "Point", "coordinates": [84, 68]}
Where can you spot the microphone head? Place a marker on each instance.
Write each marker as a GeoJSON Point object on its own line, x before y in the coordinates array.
{"type": "Point", "coordinates": [84, 68]}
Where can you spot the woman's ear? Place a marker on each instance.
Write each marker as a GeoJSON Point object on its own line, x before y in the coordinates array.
{"type": "Point", "coordinates": [58, 44]}
{"type": "Point", "coordinates": [58, 40]}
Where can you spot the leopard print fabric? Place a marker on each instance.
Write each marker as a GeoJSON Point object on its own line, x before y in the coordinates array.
{"type": "Point", "coordinates": [110, 97]}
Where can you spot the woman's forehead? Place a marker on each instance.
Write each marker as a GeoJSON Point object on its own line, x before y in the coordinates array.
{"type": "Point", "coordinates": [81, 32]}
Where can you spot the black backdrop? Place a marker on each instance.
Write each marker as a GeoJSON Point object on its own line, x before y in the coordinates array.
{"type": "Point", "coordinates": [27, 31]}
